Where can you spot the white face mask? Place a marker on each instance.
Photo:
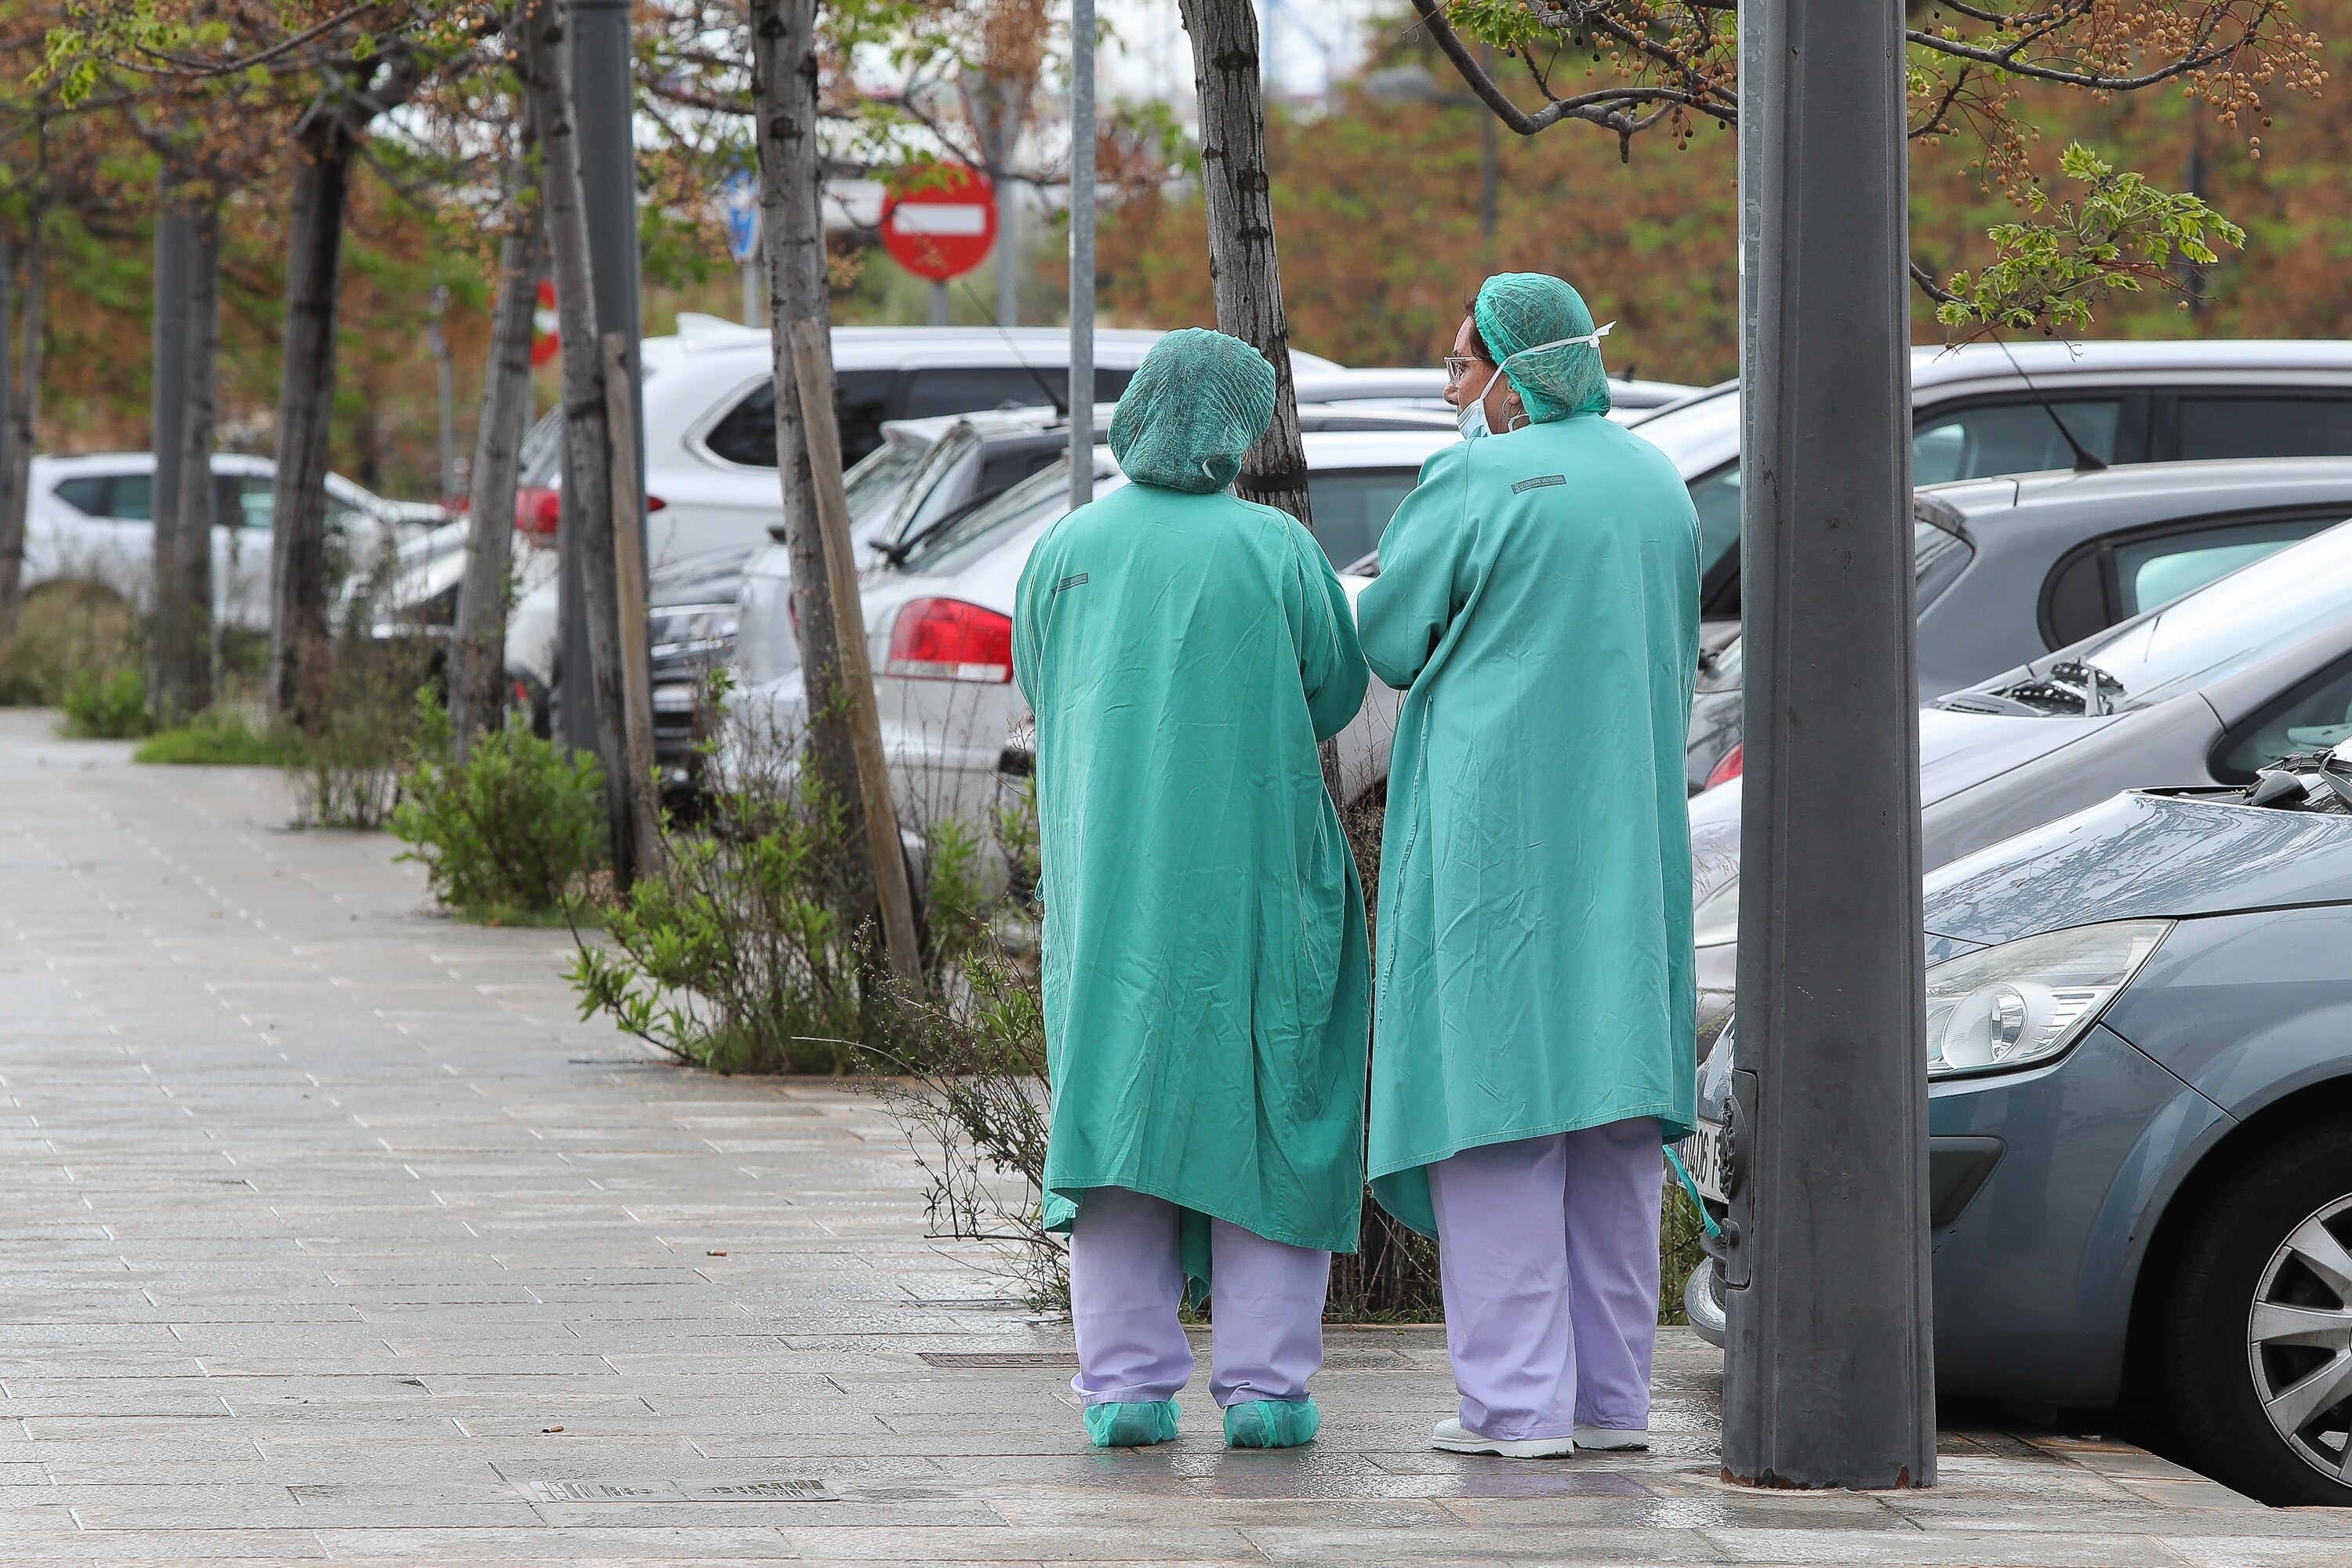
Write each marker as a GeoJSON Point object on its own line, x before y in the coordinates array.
{"type": "Point", "coordinates": [1472, 417]}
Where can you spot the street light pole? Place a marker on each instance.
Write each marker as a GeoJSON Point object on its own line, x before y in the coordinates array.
{"type": "Point", "coordinates": [1829, 1374]}
{"type": "Point", "coordinates": [604, 113]}
{"type": "Point", "coordinates": [1082, 252]}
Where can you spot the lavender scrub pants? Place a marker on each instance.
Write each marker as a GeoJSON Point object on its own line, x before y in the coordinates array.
{"type": "Point", "coordinates": [1127, 1280]}
{"type": "Point", "coordinates": [1548, 1250]}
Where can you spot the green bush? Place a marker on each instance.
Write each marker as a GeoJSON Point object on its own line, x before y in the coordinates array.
{"type": "Point", "coordinates": [510, 834]}
{"type": "Point", "coordinates": [361, 723]}
{"type": "Point", "coordinates": [217, 740]}
{"type": "Point", "coordinates": [105, 708]}
{"type": "Point", "coordinates": [67, 628]}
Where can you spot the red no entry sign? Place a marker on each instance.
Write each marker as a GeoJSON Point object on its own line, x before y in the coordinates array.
{"type": "Point", "coordinates": [544, 341]}
{"type": "Point", "coordinates": [944, 228]}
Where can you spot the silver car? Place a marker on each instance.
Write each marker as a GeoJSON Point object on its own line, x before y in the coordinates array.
{"type": "Point", "coordinates": [2205, 690]}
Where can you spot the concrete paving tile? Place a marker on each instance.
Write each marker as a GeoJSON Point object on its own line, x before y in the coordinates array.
{"type": "Point", "coordinates": [1419, 1545]}
{"type": "Point", "coordinates": [2048, 1548]}
{"type": "Point", "coordinates": [1006, 1543]}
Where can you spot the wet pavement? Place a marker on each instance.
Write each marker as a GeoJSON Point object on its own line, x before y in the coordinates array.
{"type": "Point", "coordinates": [328, 1232]}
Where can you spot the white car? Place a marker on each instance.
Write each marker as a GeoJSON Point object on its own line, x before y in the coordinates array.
{"type": "Point", "coordinates": [939, 624]}
{"type": "Point", "coordinates": [1401, 386]}
{"type": "Point", "coordinates": [91, 519]}
{"type": "Point", "coordinates": [710, 438]}
{"type": "Point", "coordinates": [1987, 410]}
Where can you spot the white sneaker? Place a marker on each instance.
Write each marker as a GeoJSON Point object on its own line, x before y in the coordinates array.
{"type": "Point", "coordinates": [1613, 1437]}
{"type": "Point", "coordinates": [1456, 1439]}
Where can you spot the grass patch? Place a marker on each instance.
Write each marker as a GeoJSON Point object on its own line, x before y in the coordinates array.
{"type": "Point", "coordinates": [213, 741]}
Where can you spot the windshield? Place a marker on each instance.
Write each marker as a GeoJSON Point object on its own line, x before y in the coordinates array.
{"type": "Point", "coordinates": [877, 478]}
{"type": "Point", "coordinates": [2229, 625]}
{"type": "Point", "coordinates": [1042, 497]}
{"type": "Point", "coordinates": [929, 494]}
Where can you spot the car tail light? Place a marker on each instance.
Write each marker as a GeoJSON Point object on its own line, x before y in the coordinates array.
{"type": "Point", "coordinates": [1727, 769]}
{"type": "Point", "coordinates": [946, 639]}
{"type": "Point", "coordinates": [654, 503]}
{"type": "Point", "coordinates": [537, 511]}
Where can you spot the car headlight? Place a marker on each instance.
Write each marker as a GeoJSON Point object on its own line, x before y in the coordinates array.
{"type": "Point", "coordinates": [679, 630]}
{"type": "Point", "coordinates": [2026, 1002]}
{"type": "Point", "coordinates": [1715, 921]}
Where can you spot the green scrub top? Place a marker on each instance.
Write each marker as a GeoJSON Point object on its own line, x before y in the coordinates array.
{"type": "Point", "coordinates": [1539, 596]}
{"type": "Point", "coordinates": [1206, 974]}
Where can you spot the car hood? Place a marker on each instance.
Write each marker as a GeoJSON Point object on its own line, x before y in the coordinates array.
{"type": "Point", "coordinates": [2140, 855]}
{"type": "Point", "coordinates": [1957, 751]}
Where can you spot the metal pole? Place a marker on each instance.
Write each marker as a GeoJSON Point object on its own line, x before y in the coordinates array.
{"type": "Point", "coordinates": [1008, 237]}
{"type": "Point", "coordinates": [939, 304]}
{"type": "Point", "coordinates": [1082, 252]}
{"type": "Point", "coordinates": [750, 269]}
{"type": "Point", "coordinates": [1828, 1375]}
{"type": "Point", "coordinates": [604, 110]}
{"type": "Point", "coordinates": [1488, 171]}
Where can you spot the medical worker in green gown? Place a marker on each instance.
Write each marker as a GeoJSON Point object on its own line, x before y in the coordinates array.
{"type": "Point", "coordinates": [1537, 601]}
{"type": "Point", "coordinates": [1206, 972]}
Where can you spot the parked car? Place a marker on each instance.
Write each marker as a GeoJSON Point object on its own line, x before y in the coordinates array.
{"type": "Point", "coordinates": [1424, 390]}
{"type": "Point", "coordinates": [710, 413]}
{"type": "Point", "coordinates": [2204, 691]}
{"type": "Point", "coordinates": [91, 519]}
{"type": "Point", "coordinates": [939, 622]}
{"type": "Point", "coordinates": [2140, 1122]}
{"type": "Point", "coordinates": [1989, 410]}
{"type": "Point", "coordinates": [2010, 569]}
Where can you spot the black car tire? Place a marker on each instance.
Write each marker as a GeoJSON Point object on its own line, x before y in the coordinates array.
{"type": "Point", "coordinates": [2234, 1257]}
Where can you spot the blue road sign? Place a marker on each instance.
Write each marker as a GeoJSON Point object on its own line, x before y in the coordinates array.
{"type": "Point", "coordinates": [742, 217]}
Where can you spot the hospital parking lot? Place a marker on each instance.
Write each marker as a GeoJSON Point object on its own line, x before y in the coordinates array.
{"type": "Point", "coordinates": [332, 1235]}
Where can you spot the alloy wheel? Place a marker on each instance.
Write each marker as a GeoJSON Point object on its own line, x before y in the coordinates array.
{"type": "Point", "coordinates": [2299, 1340]}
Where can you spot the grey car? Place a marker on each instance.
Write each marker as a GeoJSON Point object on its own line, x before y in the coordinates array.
{"type": "Point", "coordinates": [2139, 1042]}
{"type": "Point", "coordinates": [2010, 569]}
{"type": "Point", "coordinates": [2204, 691]}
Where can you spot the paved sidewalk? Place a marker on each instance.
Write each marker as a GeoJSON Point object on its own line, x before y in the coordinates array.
{"type": "Point", "coordinates": [327, 1232]}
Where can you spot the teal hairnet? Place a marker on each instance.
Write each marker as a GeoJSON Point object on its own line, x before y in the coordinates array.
{"type": "Point", "coordinates": [1198, 402]}
{"type": "Point", "coordinates": [1517, 310]}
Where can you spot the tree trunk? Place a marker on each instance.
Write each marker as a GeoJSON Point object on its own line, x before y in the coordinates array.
{"type": "Point", "coordinates": [546, 76]}
{"type": "Point", "coordinates": [198, 494]}
{"type": "Point", "coordinates": [187, 326]}
{"type": "Point", "coordinates": [784, 74]}
{"type": "Point", "coordinates": [1242, 265]}
{"type": "Point", "coordinates": [478, 650]}
{"type": "Point", "coordinates": [24, 420]}
{"type": "Point", "coordinates": [306, 396]}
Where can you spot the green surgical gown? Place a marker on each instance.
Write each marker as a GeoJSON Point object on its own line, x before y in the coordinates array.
{"type": "Point", "coordinates": [1206, 974]}
{"type": "Point", "coordinates": [1538, 599]}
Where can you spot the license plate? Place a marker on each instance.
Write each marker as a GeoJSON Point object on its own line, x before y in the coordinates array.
{"type": "Point", "coordinates": [1705, 1152]}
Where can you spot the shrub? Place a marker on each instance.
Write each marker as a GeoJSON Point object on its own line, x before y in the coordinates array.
{"type": "Point", "coordinates": [509, 835]}
{"type": "Point", "coordinates": [105, 708]}
{"type": "Point", "coordinates": [358, 726]}
{"type": "Point", "coordinates": [67, 628]}
{"type": "Point", "coordinates": [218, 740]}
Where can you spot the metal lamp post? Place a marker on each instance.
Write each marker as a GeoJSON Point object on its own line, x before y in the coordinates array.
{"type": "Point", "coordinates": [1828, 1378]}
{"type": "Point", "coordinates": [1082, 252]}
{"type": "Point", "coordinates": [604, 110]}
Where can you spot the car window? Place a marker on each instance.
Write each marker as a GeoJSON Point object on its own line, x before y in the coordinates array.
{"type": "Point", "coordinates": [2227, 625]}
{"type": "Point", "coordinates": [87, 494]}
{"type": "Point", "coordinates": [875, 479]}
{"type": "Point", "coordinates": [1043, 496]}
{"type": "Point", "coordinates": [747, 435]}
{"type": "Point", "coordinates": [2152, 571]}
{"type": "Point", "coordinates": [2222, 426]}
{"type": "Point", "coordinates": [133, 499]}
{"type": "Point", "coordinates": [240, 500]}
{"type": "Point", "coordinates": [2313, 717]}
{"type": "Point", "coordinates": [1352, 507]}
{"type": "Point", "coordinates": [969, 389]}
{"type": "Point", "coordinates": [1715, 498]}
{"type": "Point", "coordinates": [2011, 438]}
{"type": "Point", "coordinates": [932, 491]}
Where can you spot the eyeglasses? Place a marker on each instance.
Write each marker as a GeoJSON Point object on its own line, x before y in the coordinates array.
{"type": "Point", "coordinates": [1457, 366]}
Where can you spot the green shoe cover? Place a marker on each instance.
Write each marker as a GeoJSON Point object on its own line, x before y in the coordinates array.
{"type": "Point", "coordinates": [1118, 1425]}
{"type": "Point", "coordinates": [1271, 1423]}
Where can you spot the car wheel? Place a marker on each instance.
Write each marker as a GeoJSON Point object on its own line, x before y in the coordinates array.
{"type": "Point", "coordinates": [2259, 1344]}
